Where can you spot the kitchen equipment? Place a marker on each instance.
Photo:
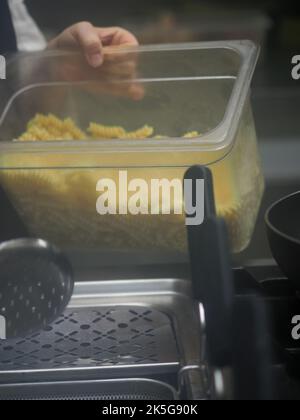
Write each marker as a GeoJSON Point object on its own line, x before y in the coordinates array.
{"type": "Point", "coordinates": [251, 350]}
{"type": "Point", "coordinates": [235, 327]}
{"type": "Point", "coordinates": [97, 390]}
{"type": "Point", "coordinates": [283, 226]}
{"type": "Point", "coordinates": [36, 284]}
{"type": "Point", "coordinates": [188, 87]}
{"type": "Point", "coordinates": [121, 330]}
{"type": "Point", "coordinates": [264, 368]}
{"type": "Point", "coordinates": [260, 280]}
{"type": "Point", "coordinates": [211, 273]}
{"type": "Point", "coordinates": [112, 330]}
{"type": "Point", "coordinates": [150, 328]}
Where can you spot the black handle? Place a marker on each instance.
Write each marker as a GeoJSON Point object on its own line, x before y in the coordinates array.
{"type": "Point", "coordinates": [252, 355]}
{"type": "Point", "coordinates": [211, 271]}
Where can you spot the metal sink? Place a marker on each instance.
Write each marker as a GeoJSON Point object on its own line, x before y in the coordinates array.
{"type": "Point", "coordinates": [113, 390]}
{"type": "Point", "coordinates": [122, 329]}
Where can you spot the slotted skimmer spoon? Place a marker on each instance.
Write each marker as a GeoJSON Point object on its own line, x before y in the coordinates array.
{"type": "Point", "coordinates": [36, 284]}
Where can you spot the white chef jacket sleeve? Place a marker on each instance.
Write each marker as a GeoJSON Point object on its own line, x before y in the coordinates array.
{"type": "Point", "coordinates": [29, 37]}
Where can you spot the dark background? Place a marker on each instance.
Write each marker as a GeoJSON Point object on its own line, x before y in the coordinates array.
{"type": "Point", "coordinates": [275, 25]}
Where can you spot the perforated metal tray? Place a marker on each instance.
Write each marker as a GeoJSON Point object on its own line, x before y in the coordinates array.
{"type": "Point", "coordinates": [100, 337]}
{"type": "Point", "coordinates": [111, 329]}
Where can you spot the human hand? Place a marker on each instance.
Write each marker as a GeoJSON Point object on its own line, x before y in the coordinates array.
{"type": "Point", "coordinates": [91, 41]}
{"type": "Point", "coordinates": [105, 63]}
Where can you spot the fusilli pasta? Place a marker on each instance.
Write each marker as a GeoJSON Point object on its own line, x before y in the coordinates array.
{"type": "Point", "coordinates": [51, 128]}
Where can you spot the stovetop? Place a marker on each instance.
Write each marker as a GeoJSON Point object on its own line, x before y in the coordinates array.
{"type": "Point", "coordinates": [282, 302]}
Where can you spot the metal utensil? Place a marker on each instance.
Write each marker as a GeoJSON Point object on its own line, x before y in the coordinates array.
{"type": "Point", "coordinates": [36, 284]}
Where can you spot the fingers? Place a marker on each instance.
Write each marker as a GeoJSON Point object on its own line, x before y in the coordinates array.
{"type": "Point", "coordinates": [116, 36]}
{"type": "Point", "coordinates": [86, 36]}
{"type": "Point", "coordinates": [91, 40]}
{"type": "Point", "coordinates": [120, 66]}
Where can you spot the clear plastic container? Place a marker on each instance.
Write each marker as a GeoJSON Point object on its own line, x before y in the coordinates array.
{"type": "Point", "coordinates": [176, 89]}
